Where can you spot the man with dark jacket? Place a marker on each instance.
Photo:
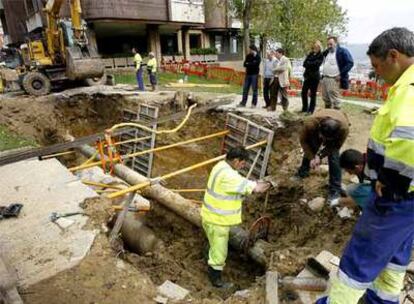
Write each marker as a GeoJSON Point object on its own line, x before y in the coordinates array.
{"type": "Point", "coordinates": [322, 135]}
{"type": "Point", "coordinates": [336, 66]}
{"type": "Point", "coordinates": [252, 65]}
{"type": "Point", "coordinates": [311, 77]}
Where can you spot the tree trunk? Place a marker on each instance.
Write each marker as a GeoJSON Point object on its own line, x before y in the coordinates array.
{"type": "Point", "coordinates": [247, 12]}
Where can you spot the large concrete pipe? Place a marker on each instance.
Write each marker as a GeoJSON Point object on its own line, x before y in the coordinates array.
{"type": "Point", "coordinates": [138, 237]}
{"type": "Point", "coordinates": [182, 207]}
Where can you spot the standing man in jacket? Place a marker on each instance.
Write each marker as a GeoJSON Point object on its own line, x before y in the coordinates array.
{"type": "Point", "coordinates": [138, 69]}
{"type": "Point", "coordinates": [269, 64]}
{"type": "Point", "coordinates": [222, 208]}
{"type": "Point", "coordinates": [311, 77]}
{"type": "Point", "coordinates": [322, 135]}
{"type": "Point", "coordinates": [374, 262]}
{"type": "Point", "coordinates": [252, 65]}
{"type": "Point", "coordinates": [280, 82]}
{"type": "Point", "coordinates": [336, 66]}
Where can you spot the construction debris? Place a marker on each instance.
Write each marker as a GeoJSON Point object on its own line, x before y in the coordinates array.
{"type": "Point", "coordinates": [272, 288]}
{"type": "Point", "coordinates": [317, 204]}
{"type": "Point", "coordinates": [173, 291]}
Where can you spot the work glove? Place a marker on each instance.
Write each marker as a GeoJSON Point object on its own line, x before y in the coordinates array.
{"type": "Point", "coordinates": [269, 179]}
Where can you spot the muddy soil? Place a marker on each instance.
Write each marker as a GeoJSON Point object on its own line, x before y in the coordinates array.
{"type": "Point", "coordinates": [296, 232]}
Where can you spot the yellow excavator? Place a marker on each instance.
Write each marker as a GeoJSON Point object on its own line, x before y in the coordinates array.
{"type": "Point", "coordinates": [64, 52]}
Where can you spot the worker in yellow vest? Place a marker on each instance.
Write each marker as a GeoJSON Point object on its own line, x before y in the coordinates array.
{"type": "Point", "coordinates": [152, 70]}
{"type": "Point", "coordinates": [138, 69]}
{"type": "Point", "coordinates": [222, 208]}
{"type": "Point", "coordinates": [374, 262]}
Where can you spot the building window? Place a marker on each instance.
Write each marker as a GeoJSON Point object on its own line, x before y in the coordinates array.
{"type": "Point", "coordinates": [218, 43]}
{"type": "Point", "coordinates": [233, 45]}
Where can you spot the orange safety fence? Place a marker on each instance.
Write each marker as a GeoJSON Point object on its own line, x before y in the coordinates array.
{"type": "Point", "coordinates": [370, 90]}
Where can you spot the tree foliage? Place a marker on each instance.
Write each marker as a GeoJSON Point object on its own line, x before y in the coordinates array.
{"type": "Point", "coordinates": [296, 24]}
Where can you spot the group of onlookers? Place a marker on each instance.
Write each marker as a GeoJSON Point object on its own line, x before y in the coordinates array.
{"type": "Point", "coordinates": [336, 62]}
{"type": "Point", "coordinates": [277, 68]}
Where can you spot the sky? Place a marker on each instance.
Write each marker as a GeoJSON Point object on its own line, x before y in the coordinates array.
{"type": "Point", "coordinates": [369, 18]}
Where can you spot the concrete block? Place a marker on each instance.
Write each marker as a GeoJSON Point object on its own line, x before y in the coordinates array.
{"type": "Point", "coordinates": [172, 291]}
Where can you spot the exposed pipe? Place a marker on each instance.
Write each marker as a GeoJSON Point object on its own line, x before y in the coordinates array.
{"type": "Point", "coordinates": [183, 207]}
{"type": "Point", "coordinates": [148, 182]}
{"type": "Point", "coordinates": [138, 237]}
{"type": "Point", "coordinates": [158, 149]}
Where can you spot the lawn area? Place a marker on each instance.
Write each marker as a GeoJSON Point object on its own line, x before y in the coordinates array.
{"type": "Point", "coordinates": [9, 140]}
{"type": "Point", "coordinates": [165, 78]}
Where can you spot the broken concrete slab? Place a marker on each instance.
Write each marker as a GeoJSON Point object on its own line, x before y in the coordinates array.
{"type": "Point", "coordinates": [161, 300]}
{"type": "Point", "coordinates": [172, 291]}
{"type": "Point", "coordinates": [325, 258]}
{"type": "Point", "coordinates": [40, 249]}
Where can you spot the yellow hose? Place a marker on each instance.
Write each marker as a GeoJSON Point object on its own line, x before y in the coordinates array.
{"type": "Point", "coordinates": [132, 124]}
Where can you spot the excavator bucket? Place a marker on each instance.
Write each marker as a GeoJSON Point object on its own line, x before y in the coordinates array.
{"type": "Point", "coordinates": [83, 63]}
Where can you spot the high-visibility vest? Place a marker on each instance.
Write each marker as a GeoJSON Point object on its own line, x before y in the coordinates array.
{"type": "Point", "coordinates": [223, 198]}
{"type": "Point", "coordinates": [152, 65]}
{"type": "Point", "coordinates": [390, 156]}
{"type": "Point", "coordinates": [138, 61]}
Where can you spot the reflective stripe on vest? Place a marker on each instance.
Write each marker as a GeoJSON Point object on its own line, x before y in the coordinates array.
{"type": "Point", "coordinates": [221, 211]}
{"type": "Point", "coordinates": [219, 196]}
{"type": "Point", "coordinates": [376, 147]}
{"type": "Point", "coordinates": [223, 197]}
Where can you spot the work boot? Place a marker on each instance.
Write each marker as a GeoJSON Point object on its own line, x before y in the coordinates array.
{"type": "Point", "coordinates": [333, 199]}
{"type": "Point", "coordinates": [216, 280]}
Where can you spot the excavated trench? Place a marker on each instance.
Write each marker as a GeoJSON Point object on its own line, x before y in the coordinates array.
{"type": "Point", "coordinates": [296, 232]}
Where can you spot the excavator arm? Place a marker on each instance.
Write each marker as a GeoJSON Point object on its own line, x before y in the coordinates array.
{"type": "Point", "coordinates": [75, 14]}
{"type": "Point", "coordinates": [82, 59]}
{"type": "Point", "coordinates": [54, 36]}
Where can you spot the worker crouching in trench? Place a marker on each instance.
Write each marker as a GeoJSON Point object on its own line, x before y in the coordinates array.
{"type": "Point", "coordinates": [222, 208]}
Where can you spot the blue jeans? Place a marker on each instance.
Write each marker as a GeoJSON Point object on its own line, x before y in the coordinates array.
{"type": "Point", "coordinates": [250, 81]}
{"type": "Point", "coordinates": [140, 79]}
{"type": "Point", "coordinates": [360, 193]}
{"type": "Point", "coordinates": [335, 172]}
{"type": "Point", "coordinates": [153, 78]}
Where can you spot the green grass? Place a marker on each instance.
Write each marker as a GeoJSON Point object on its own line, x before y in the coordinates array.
{"type": "Point", "coordinates": [9, 140]}
{"type": "Point", "coordinates": [165, 78]}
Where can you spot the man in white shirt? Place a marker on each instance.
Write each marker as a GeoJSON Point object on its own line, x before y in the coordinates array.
{"type": "Point", "coordinates": [269, 64]}
{"type": "Point", "coordinates": [336, 65]}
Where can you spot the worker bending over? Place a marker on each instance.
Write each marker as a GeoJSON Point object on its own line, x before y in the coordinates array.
{"type": "Point", "coordinates": [222, 208]}
{"type": "Point", "coordinates": [322, 135]}
{"type": "Point", "coordinates": [374, 262]}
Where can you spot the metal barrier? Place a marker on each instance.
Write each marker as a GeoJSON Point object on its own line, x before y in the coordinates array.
{"type": "Point", "coordinates": [369, 90]}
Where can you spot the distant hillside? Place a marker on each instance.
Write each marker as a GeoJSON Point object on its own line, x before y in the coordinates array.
{"type": "Point", "coordinates": [359, 52]}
